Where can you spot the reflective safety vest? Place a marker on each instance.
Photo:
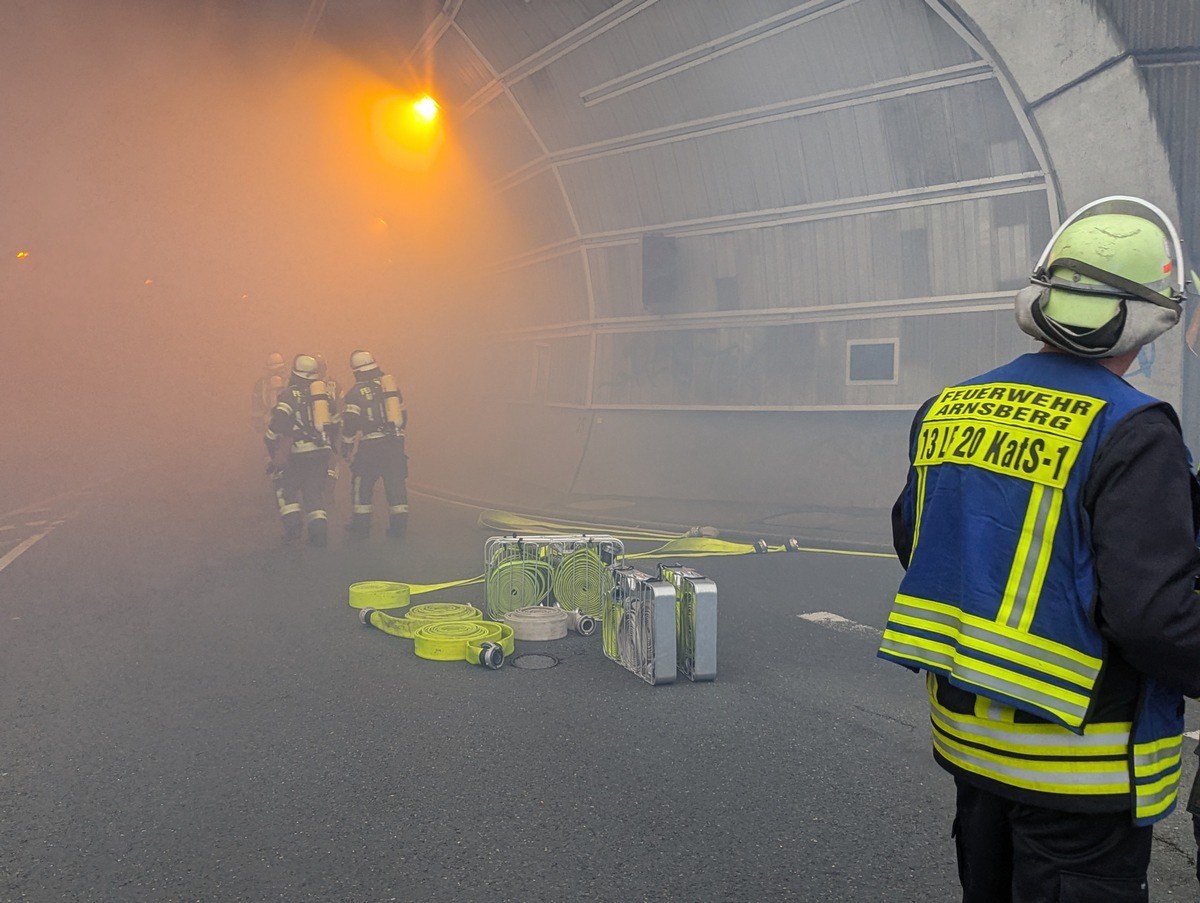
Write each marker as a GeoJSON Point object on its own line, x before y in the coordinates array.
{"type": "Point", "coordinates": [998, 598]}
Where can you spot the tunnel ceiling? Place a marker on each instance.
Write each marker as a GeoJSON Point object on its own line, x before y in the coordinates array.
{"type": "Point", "coordinates": [600, 122]}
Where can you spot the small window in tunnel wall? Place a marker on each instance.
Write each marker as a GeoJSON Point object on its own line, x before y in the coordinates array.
{"type": "Point", "coordinates": [872, 361]}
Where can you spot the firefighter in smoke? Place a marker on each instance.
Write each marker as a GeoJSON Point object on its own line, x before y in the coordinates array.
{"type": "Point", "coordinates": [373, 422]}
{"type": "Point", "coordinates": [266, 390]}
{"type": "Point", "coordinates": [335, 416]}
{"type": "Point", "coordinates": [299, 441]}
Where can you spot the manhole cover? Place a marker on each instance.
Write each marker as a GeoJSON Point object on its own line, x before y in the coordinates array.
{"type": "Point", "coordinates": [534, 661]}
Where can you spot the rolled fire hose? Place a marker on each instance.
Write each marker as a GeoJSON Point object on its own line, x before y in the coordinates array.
{"type": "Point", "coordinates": [517, 583]}
{"type": "Point", "coordinates": [389, 594]}
{"type": "Point", "coordinates": [379, 594]}
{"type": "Point", "coordinates": [418, 616]}
{"type": "Point", "coordinates": [447, 631]}
{"type": "Point", "coordinates": [582, 581]}
{"type": "Point", "coordinates": [548, 622]}
{"type": "Point", "coordinates": [478, 642]}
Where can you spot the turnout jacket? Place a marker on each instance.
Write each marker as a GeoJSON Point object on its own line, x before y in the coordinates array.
{"type": "Point", "coordinates": [1047, 528]}
{"type": "Point", "coordinates": [292, 419]}
{"type": "Point", "coordinates": [364, 409]}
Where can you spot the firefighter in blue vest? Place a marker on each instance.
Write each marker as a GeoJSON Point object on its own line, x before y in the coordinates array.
{"type": "Point", "coordinates": [1047, 529]}
{"type": "Point", "coordinates": [299, 443]}
{"type": "Point", "coordinates": [372, 429]}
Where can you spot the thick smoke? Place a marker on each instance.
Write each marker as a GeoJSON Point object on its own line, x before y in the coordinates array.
{"type": "Point", "coordinates": [195, 187]}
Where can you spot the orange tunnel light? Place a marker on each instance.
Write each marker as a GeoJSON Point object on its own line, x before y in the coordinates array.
{"type": "Point", "coordinates": [407, 132]}
{"type": "Point", "coordinates": [426, 108]}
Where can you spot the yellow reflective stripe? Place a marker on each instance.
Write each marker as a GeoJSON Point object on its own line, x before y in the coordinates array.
{"type": "Point", "coordinates": [1039, 649]}
{"type": "Point", "coordinates": [1032, 558]}
{"type": "Point", "coordinates": [1151, 799]}
{"type": "Point", "coordinates": [1150, 758]}
{"type": "Point", "coordinates": [920, 506]}
{"type": "Point", "coordinates": [1070, 708]}
{"type": "Point", "coordinates": [285, 407]}
{"type": "Point", "coordinates": [983, 640]}
{"type": "Point", "coordinates": [1049, 740]}
{"type": "Point", "coordinates": [1078, 778]}
{"type": "Point", "coordinates": [994, 711]}
{"type": "Point", "coordinates": [1042, 562]}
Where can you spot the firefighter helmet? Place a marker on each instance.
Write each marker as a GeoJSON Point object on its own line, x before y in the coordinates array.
{"type": "Point", "coordinates": [1109, 281]}
{"type": "Point", "coordinates": [362, 360]}
{"type": "Point", "coordinates": [275, 361]}
{"type": "Point", "coordinates": [305, 366]}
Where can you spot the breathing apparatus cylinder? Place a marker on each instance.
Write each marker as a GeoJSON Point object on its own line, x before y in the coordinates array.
{"type": "Point", "coordinates": [320, 405]}
{"type": "Point", "coordinates": [391, 400]}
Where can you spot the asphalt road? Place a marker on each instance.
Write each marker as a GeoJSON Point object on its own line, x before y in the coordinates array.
{"type": "Point", "coordinates": [192, 712]}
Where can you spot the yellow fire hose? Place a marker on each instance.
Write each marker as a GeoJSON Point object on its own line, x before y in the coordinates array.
{"type": "Point", "coordinates": [388, 594]}
{"type": "Point", "coordinates": [517, 583]}
{"type": "Point", "coordinates": [581, 583]}
{"type": "Point", "coordinates": [698, 542]}
{"type": "Point", "coordinates": [447, 631]}
{"type": "Point", "coordinates": [478, 642]}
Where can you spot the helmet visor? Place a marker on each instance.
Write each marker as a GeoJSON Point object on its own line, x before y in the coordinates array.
{"type": "Point", "coordinates": [1169, 287]}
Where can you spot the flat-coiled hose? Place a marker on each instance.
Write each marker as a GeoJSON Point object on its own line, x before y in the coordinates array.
{"type": "Point", "coordinates": [548, 622]}
{"type": "Point", "coordinates": [418, 616]}
{"type": "Point", "coordinates": [379, 594]}
{"type": "Point", "coordinates": [478, 642]}
{"type": "Point", "coordinates": [517, 583]}
{"type": "Point", "coordinates": [582, 581]}
{"type": "Point", "coordinates": [389, 594]}
{"type": "Point", "coordinates": [447, 631]}
{"type": "Point", "coordinates": [626, 634]}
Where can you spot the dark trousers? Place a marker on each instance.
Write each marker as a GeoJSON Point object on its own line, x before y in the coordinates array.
{"type": "Point", "coordinates": [302, 494]}
{"type": "Point", "coordinates": [1017, 853]}
{"type": "Point", "coordinates": [375, 460]}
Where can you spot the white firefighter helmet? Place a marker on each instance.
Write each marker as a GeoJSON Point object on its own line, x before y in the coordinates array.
{"type": "Point", "coordinates": [305, 366]}
{"type": "Point", "coordinates": [362, 360]}
{"type": "Point", "coordinates": [275, 361]}
{"type": "Point", "coordinates": [1109, 281]}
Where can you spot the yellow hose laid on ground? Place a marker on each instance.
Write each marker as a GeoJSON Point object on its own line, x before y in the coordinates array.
{"type": "Point", "coordinates": [478, 642]}
{"type": "Point", "coordinates": [379, 594]}
{"type": "Point", "coordinates": [388, 594]}
{"type": "Point", "coordinates": [698, 542]}
{"type": "Point", "coordinates": [418, 616]}
{"type": "Point", "coordinates": [507, 522]}
{"type": "Point", "coordinates": [447, 631]}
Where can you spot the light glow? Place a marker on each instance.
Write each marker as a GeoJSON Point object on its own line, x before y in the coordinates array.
{"type": "Point", "coordinates": [426, 108]}
{"type": "Point", "coordinates": [407, 132]}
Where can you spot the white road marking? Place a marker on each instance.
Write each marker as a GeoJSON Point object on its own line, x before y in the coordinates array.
{"type": "Point", "coordinates": [19, 550]}
{"type": "Point", "coordinates": [837, 622]}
